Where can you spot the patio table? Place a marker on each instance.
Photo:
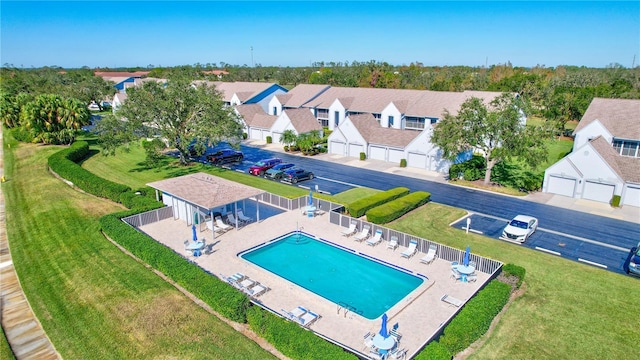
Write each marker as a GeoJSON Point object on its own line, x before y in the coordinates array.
{"type": "Point", "coordinates": [465, 270]}
{"type": "Point", "coordinates": [196, 246]}
{"type": "Point", "coordinates": [384, 344]}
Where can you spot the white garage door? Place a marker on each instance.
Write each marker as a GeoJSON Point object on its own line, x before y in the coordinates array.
{"type": "Point", "coordinates": [598, 191]}
{"type": "Point", "coordinates": [255, 134]}
{"type": "Point", "coordinates": [561, 186]}
{"type": "Point", "coordinates": [337, 148]}
{"type": "Point", "coordinates": [276, 138]}
{"type": "Point", "coordinates": [417, 160]}
{"type": "Point", "coordinates": [265, 133]}
{"type": "Point", "coordinates": [395, 156]}
{"type": "Point", "coordinates": [632, 196]}
{"type": "Point", "coordinates": [355, 150]}
{"type": "Point", "coordinates": [377, 153]}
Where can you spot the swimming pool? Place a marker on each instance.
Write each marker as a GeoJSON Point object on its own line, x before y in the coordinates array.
{"type": "Point", "coordinates": [359, 284]}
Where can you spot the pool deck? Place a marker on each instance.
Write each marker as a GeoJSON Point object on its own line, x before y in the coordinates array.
{"type": "Point", "coordinates": [419, 315]}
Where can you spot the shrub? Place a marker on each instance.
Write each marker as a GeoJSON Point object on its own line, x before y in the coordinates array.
{"type": "Point", "coordinates": [292, 340]}
{"type": "Point", "coordinates": [403, 162]}
{"type": "Point", "coordinates": [516, 177]}
{"type": "Point", "coordinates": [245, 135]}
{"type": "Point", "coordinates": [269, 139]}
{"type": "Point", "coordinates": [434, 351]}
{"type": "Point", "coordinates": [514, 270]}
{"type": "Point", "coordinates": [222, 297]}
{"type": "Point", "coordinates": [394, 209]}
{"type": "Point", "coordinates": [363, 156]}
{"type": "Point", "coordinates": [286, 148]}
{"type": "Point", "coordinates": [472, 169]}
{"type": "Point", "coordinates": [615, 201]}
{"type": "Point", "coordinates": [359, 207]}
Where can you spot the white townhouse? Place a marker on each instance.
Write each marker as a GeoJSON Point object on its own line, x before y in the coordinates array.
{"type": "Point", "coordinates": [257, 123]}
{"type": "Point", "coordinates": [605, 160]}
{"type": "Point", "coordinates": [296, 98]}
{"type": "Point", "coordinates": [240, 92]}
{"type": "Point", "coordinates": [300, 121]}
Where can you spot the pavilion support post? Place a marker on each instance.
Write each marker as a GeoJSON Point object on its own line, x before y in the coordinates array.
{"type": "Point", "coordinates": [235, 213]}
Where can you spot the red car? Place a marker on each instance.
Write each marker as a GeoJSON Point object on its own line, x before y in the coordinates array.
{"type": "Point", "coordinates": [262, 166]}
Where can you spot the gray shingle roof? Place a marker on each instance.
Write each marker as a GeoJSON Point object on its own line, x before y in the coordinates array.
{"type": "Point", "coordinates": [303, 120]}
{"type": "Point", "coordinates": [375, 134]}
{"type": "Point", "coordinates": [303, 93]}
{"type": "Point", "coordinates": [628, 168]}
{"type": "Point", "coordinates": [254, 116]}
{"type": "Point", "coordinates": [245, 90]}
{"type": "Point", "coordinates": [620, 116]}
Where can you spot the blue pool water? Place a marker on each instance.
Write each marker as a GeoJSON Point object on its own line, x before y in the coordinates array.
{"type": "Point", "coordinates": [364, 286]}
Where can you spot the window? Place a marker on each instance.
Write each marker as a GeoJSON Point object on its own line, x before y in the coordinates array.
{"type": "Point", "coordinates": [336, 116]}
{"type": "Point", "coordinates": [275, 110]}
{"type": "Point", "coordinates": [627, 147]}
{"type": "Point", "coordinates": [413, 122]}
{"type": "Point", "coordinates": [390, 121]}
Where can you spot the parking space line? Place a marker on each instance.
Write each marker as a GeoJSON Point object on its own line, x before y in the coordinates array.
{"type": "Point", "coordinates": [594, 242]}
{"type": "Point", "coordinates": [592, 263]}
{"type": "Point", "coordinates": [548, 251]}
{"type": "Point", "coordinates": [337, 181]}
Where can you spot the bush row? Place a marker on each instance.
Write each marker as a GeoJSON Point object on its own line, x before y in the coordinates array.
{"type": "Point", "coordinates": [394, 209]}
{"type": "Point", "coordinates": [222, 297]}
{"type": "Point", "coordinates": [470, 323]}
{"type": "Point", "coordinates": [360, 207]}
{"type": "Point", "coordinates": [292, 340]}
{"type": "Point", "coordinates": [514, 270]}
{"type": "Point", "coordinates": [64, 163]}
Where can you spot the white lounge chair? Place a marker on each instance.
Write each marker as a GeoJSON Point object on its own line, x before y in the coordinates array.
{"type": "Point", "coordinates": [256, 290]}
{"type": "Point", "coordinates": [242, 217]}
{"type": "Point", "coordinates": [393, 243]}
{"type": "Point", "coordinates": [411, 250]}
{"type": "Point", "coordinates": [233, 221]}
{"type": "Point", "coordinates": [375, 240]}
{"type": "Point", "coordinates": [362, 235]}
{"type": "Point", "coordinates": [451, 300]}
{"type": "Point", "coordinates": [246, 283]}
{"type": "Point", "coordinates": [350, 230]}
{"type": "Point", "coordinates": [222, 225]}
{"type": "Point", "coordinates": [430, 256]}
{"type": "Point", "coordinates": [215, 228]}
{"type": "Point", "coordinates": [308, 318]}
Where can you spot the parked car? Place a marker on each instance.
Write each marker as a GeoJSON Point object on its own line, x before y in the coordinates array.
{"type": "Point", "coordinates": [633, 267]}
{"type": "Point", "coordinates": [225, 156]}
{"type": "Point", "coordinates": [262, 166]}
{"type": "Point", "coordinates": [276, 172]}
{"type": "Point", "coordinates": [294, 175]}
{"type": "Point", "coordinates": [520, 228]}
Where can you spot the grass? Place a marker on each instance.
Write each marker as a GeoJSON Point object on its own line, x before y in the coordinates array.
{"type": "Point", "coordinates": [496, 189]}
{"type": "Point", "coordinates": [568, 310]}
{"type": "Point", "coordinates": [94, 301]}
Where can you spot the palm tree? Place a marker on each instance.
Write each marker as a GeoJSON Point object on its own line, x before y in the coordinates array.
{"type": "Point", "coordinates": [288, 137]}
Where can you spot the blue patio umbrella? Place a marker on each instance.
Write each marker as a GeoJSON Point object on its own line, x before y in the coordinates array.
{"type": "Point", "coordinates": [310, 198]}
{"type": "Point", "coordinates": [465, 260]}
{"type": "Point", "coordinates": [383, 329]}
{"type": "Point", "coordinates": [195, 236]}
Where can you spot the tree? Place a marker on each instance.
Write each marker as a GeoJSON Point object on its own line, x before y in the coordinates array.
{"type": "Point", "coordinates": [288, 137]}
{"type": "Point", "coordinates": [496, 132]}
{"type": "Point", "coordinates": [186, 116]}
{"type": "Point", "coordinates": [52, 119]}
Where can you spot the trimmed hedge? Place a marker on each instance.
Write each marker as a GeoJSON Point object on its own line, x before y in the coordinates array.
{"type": "Point", "coordinates": [434, 351]}
{"type": "Point", "coordinates": [514, 270]}
{"type": "Point", "coordinates": [403, 163]}
{"type": "Point", "coordinates": [291, 339]}
{"type": "Point", "coordinates": [394, 209]}
{"type": "Point", "coordinates": [222, 297]}
{"type": "Point", "coordinates": [359, 207]}
{"type": "Point", "coordinates": [475, 317]}
{"type": "Point", "coordinates": [615, 201]}
{"type": "Point", "coordinates": [64, 164]}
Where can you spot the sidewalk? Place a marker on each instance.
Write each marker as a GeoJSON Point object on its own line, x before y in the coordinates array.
{"type": "Point", "coordinates": [21, 327]}
{"type": "Point", "coordinates": [626, 213]}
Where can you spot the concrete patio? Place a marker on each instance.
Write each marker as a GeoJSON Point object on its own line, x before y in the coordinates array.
{"type": "Point", "coordinates": [420, 315]}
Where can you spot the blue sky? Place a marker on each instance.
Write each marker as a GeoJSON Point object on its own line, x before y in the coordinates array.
{"type": "Point", "coordinates": [296, 33]}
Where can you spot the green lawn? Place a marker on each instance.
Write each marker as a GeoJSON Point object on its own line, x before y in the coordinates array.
{"type": "Point", "coordinates": [568, 310]}
{"type": "Point", "coordinates": [83, 288]}
{"type": "Point", "coordinates": [94, 301]}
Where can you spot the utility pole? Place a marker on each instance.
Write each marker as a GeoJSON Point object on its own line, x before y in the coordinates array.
{"type": "Point", "coordinates": [252, 57]}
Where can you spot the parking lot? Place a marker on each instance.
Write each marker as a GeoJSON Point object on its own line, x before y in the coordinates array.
{"type": "Point", "coordinates": [570, 247]}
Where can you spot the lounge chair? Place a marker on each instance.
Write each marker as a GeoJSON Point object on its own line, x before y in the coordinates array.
{"type": "Point", "coordinates": [233, 221]}
{"type": "Point", "coordinates": [472, 277]}
{"type": "Point", "coordinates": [308, 318]}
{"type": "Point", "coordinates": [350, 230]}
{"type": "Point", "coordinates": [362, 235]}
{"type": "Point", "coordinates": [368, 340]}
{"type": "Point", "coordinates": [451, 300]}
{"type": "Point", "coordinates": [256, 290]}
{"type": "Point", "coordinates": [395, 334]}
{"type": "Point", "coordinates": [455, 275]}
{"type": "Point", "coordinates": [235, 278]}
{"type": "Point", "coordinates": [215, 228]}
{"type": "Point", "coordinates": [222, 225]}
{"type": "Point", "coordinates": [430, 256]}
{"type": "Point", "coordinates": [393, 243]}
{"type": "Point", "coordinates": [411, 250]}
{"type": "Point", "coordinates": [246, 283]}
{"type": "Point", "coordinates": [242, 217]}
{"type": "Point", "coordinates": [377, 237]}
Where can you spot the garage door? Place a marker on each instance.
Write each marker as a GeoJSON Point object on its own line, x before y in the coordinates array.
{"type": "Point", "coordinates": [632, 196]}
{"type": "Point", "coordinates": [395, 156]}
{"type": "Point", "coordinates": [598, 191]}
{"type": "Point", "coordinates": [337, 148]}
{"type": "Point", "coordinates": [276, 137]}
{"type": "Point", "coordinates": [561, 186]}
{"type": "Point", "coordinates": [417, 160]}
{"type": "Point", "coordinates": [255, 134]}
{"type": "Point", "coordinates": [377, 153]}
{"type": "Point", "coordinates": [355, 150]}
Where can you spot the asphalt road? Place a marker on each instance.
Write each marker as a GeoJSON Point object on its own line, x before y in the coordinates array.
{"type": "Point", "coordinates": [567, 229]}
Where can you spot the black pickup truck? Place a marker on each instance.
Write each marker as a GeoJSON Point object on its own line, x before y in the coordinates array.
{"type": "Point", "coordinates": [225, 156]}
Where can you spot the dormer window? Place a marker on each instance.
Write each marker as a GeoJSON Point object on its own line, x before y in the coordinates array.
{"type": "Point", "coordinates": [627, 147]}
